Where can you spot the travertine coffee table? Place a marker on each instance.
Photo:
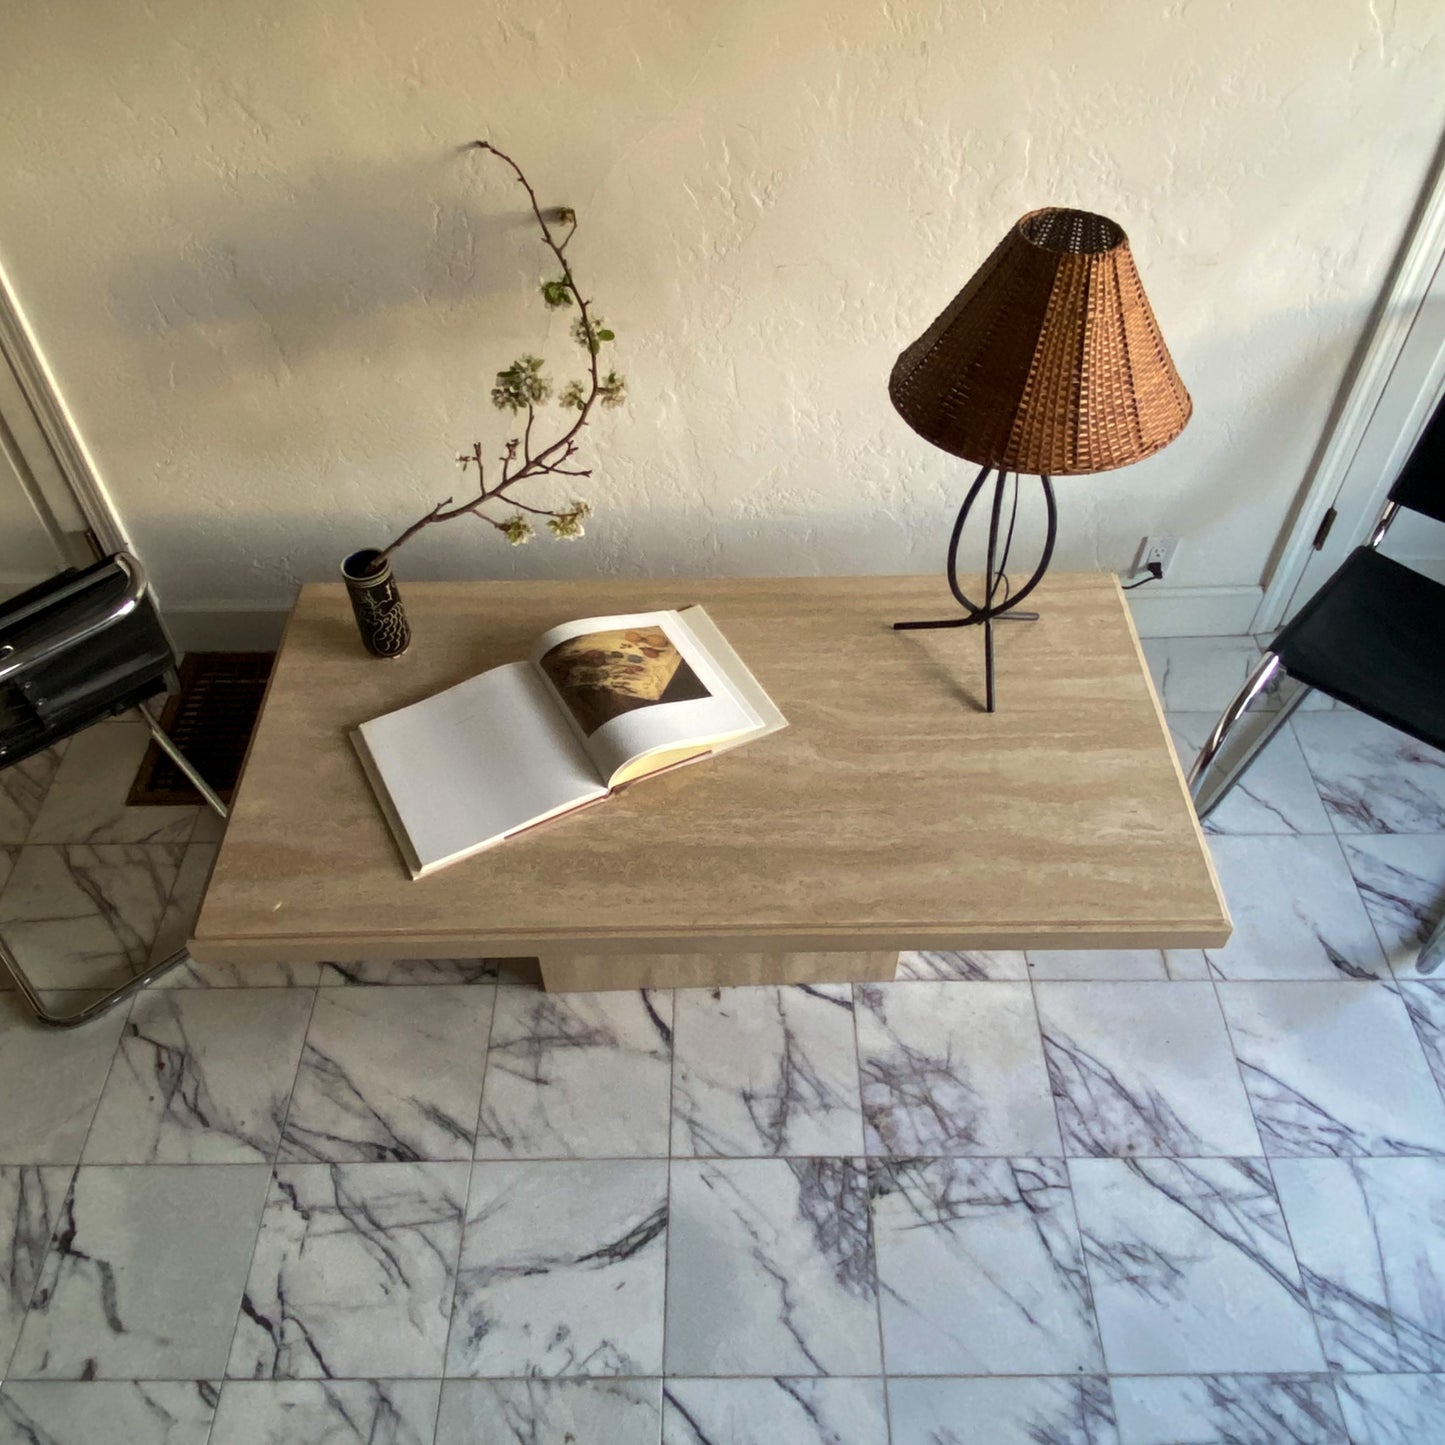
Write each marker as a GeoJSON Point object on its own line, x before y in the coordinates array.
{"type": "Point", "coordinates": [891, 814]}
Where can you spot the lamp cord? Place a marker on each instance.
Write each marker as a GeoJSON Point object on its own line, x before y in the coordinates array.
{"type": "Point", "coordinates": [1156, 574]}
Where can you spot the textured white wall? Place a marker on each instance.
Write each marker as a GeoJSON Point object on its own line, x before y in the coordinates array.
{"type": "Point", "coordinates": [274, 291]}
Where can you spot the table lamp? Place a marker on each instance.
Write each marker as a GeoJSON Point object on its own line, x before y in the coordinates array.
{"type": "Point", "coordinates": [1049, 362]}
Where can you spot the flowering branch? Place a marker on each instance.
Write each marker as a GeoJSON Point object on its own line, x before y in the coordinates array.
{"type": "Point", "coordinates": [524, 386]}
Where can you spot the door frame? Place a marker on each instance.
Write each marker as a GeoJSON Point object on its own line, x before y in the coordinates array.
{"type": "Point", "coordinates": [45, 447]}
{"type": "Point", "coordinates": [1413, 381]}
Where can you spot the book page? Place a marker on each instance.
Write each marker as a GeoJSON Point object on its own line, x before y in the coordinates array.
{"type": "Point", "coordinates": [468, 766]}
{"type": "Point", "coordinates": [641, 692]}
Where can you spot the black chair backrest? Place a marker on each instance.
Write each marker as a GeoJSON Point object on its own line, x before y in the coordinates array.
{"type": "Point", "coordinates": [115, 668]}
{"type": "Point", "coordinates": [1421, 485]}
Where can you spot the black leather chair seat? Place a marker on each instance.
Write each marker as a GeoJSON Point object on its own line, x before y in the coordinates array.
{"type": "Point", "coordinates": [1374, 637]}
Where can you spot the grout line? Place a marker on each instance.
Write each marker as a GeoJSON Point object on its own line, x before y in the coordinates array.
{"type": "Point", "coordinates": [265, 1201]}
{"type": "Point", "coordinates": [667, 1238]}
{"type": "Point", "coordinates": [124, 1014]}
{"type": "Point", "coordinates": [872, 1230]}
{"type": "Point", "coordinates": [1309, 1304]}
{"type": "Point", "coordinates": [1389, 975]}
{"type": "Point", "coordinates": [1269, 1167]}
{"type": "Point", "coordinates": [1073, 1197]}
{"type": "Point", "coordinates": [466, 1202]}
{"type": "Point", "coordinates": [1418, 1030]}
{"type": "Point", "coordinates": [321, 1382]}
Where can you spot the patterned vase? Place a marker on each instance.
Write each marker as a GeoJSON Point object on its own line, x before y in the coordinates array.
{"type": "Point", "coordinates": [380, 616]}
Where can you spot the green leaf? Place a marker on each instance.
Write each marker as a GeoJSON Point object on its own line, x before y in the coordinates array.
{"type": "Point", "coordinates": [522, 384]}
{"type": "Point", "coordinates": [607, 336]}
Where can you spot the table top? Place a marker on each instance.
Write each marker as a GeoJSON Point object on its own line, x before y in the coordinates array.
{"type": "Point", "coordinates": [892, 812]}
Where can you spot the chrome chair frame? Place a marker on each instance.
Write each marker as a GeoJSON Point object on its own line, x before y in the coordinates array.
{"type": "Point", "coordinates": [1265, 676]}
{"type": "Point", "coordinates": [16, 660]}
{"type": "Point", "coordinates": [1208, 793]}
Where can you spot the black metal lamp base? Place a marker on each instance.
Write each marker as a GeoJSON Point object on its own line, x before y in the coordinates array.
{"type": "Point", "coordinates": [994, 608]}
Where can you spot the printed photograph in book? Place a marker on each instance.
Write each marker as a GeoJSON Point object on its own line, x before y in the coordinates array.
{"type": "Point", "coordinates": [602, 675]}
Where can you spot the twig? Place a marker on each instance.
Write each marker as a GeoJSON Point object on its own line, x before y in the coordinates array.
{"type": "Point", "coordinates": [546, 462]}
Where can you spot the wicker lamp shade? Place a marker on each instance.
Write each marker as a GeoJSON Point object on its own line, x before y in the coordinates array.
{"type": "Point", "coordinates": [1049, 361]}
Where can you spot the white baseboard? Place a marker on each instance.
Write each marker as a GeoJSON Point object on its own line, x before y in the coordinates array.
{"type": "Point", "coordinates": [1193, 611]}
{"type": "Point", "coordinates": [1158, 612]}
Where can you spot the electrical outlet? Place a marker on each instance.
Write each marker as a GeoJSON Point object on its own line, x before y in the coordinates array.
{"type": "Point", "coordinates": [1157, 551]}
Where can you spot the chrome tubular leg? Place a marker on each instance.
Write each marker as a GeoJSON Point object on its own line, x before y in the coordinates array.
{"type": "Point", "coordinates": [93, 1010]}
{"type": "Point", "coordinates": [1207, 792]}
{"type": "Point", "coordinates": [1432, 951]}
{"type": "Point", "coordinates": [165, 744]}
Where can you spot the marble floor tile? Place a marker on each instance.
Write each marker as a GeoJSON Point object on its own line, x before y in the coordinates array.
{"type": "Point", "coordinates": [562, 1270]}
{"type": "Point", "coordinates": [138, 1412]}
{"type": "Point", "coordinates": [1393, 1409]}
{"type": "Point", "coordinates": [1228, 1410]}
{"type": "Point", "coordinates": [951, 1070]}
{"type": "Point", "coordinates": [85, 917]}
{"type": "Point", "coordinates": [326, 1412]}
{"type": "Point", "coordinates": [520, 1412]}
{"type": "Point", "coordinates": [1402, 882]}
{"type": "Point", "coordinates": [779, 1411]}
{"type": "Point", "coordinates": [86, 802]}
{"type": "Point", "coordinates": [1333, 1069]}
{"type": "Point", "coordinates": [1017, 1410]}
{"type": "Point", "coordinates": [1087, 965]}
{"type": "Point", "coordinates": [766, 1071]}
{"type": "Point", "coordinates": [1373, 778]}
{"type": "Point", "coordinates": [1191, 1267]}
{"type": "Point", "coordinates": [1188, 965]}
{"type": "Point", "coordinates": [577, 1075]}
{"type": "Point", "coordinates": [971, 966]}
{"type": "Point", "coordinates": [1200, 674]}
{"type": "Point", "coordinates": [353, 1273]}
{"type": "Point", "coordinates": [8, 859]}
{"type": "Point", "coordinates": [519, 971]}
{"type": "Point", "coordinates": [201, 1078]}
{"type": "Point", "coordinates": [1425, 1003]}
{"type": "Point", "coordinates": [1296, 911]}
{"type": "Point", "coordinates": [175, 929]}
{"type": "Point", "coordinates": [770, 1269]}
{"type": "Point", "coordinates": [1143, 1068]}
{"type": "Point", "coordinates": [144, 1274]}
{"type": "Point", "coordinates": [390, 1074]}
{"type": "Point", "coordinates": [980, 1269]}
{"type": "Point", "coordinates": [22, 790]}
{"type": "Point", "coordinates": [184, 902]}
{"type": "Point", "coordinates": [1277, 793]}
{"type": "Point", "coordinates": [1368, 1237]}
{"type": "Point", "coordinates": [51, 1081]}
{"type": "Point", "coordinates": [31, 1198]}
{"type": "Point", "coordinates": [268, 974]}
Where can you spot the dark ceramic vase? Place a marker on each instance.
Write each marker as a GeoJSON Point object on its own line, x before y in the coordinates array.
{"type": "Point", "coordinates": [380, 616]}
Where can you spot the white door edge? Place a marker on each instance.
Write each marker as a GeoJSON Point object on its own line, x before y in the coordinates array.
{"type": "Point", "coordinates": [56, 457]}
{"type": "Point", "coordinates": [1418, 383]}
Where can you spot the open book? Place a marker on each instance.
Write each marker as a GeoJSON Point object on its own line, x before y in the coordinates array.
{"type": "Point", "coordinates": [600, 703]}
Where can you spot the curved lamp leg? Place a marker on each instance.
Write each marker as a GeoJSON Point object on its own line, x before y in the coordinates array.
{"type": "Point", "coordinates": [1208, 792]}
{"type": "Point", "coordinates": [1006, 609]}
